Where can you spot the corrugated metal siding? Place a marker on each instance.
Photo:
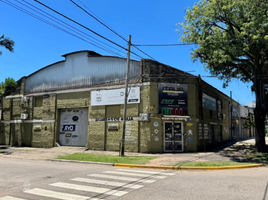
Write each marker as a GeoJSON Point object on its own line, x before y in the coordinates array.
{"type": "Point", "coordinates": [79, 70]}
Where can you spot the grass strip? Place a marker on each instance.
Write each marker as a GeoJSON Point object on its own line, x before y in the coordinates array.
{"type": "Point", "coordinates": [141, 160]}
{"type": "Point", "coordinates": [212, 164]}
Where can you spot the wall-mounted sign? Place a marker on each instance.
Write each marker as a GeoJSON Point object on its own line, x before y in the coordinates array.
{"type": "Point", "coordinates": [75, 118]}
{"type": "Point", "coordinates": [172, 99]}
{"type": "Point", "coordinates": [68, 134]}
{"type": "Point", "coordinates": [115, 97]}
{"type": "Point", "coordinates": [156, 131]}
{"type": "Point", "coordinates": [189, 124]}
{"type": "Point", "coordinates": [156, 124]}
{"type": "Point", "coordinates": [209, 102]}
{"type": "Point", "coordinates": [190, 139]}
{"type": "Point", "coordinates": [37, 128]}
{"type": "Point", "coordinates": [114, 119]}
{"type": "Point", "coordinates": [68, 128]}
{"type": "Point", "coordinates": [113, 127]}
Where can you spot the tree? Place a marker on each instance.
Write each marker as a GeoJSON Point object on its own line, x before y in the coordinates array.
{"type": "Point", "coordinates": [7, 43]}
{"type": "Point", "coordinates": [231, 38]}
{"type": "Point", "coordinates": [8, 87]}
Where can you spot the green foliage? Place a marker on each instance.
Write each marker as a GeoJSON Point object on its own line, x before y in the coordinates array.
{"type": "Point", "coordinates": [231, 37]}
{"type": "Point", "coordinates": [214, 164]}
{"type": "Point", "coordinates": [108, 158]}
{"type": "Point", "coordinates": [2, 88]}
{"type": "Point", "coordinates": [7, 43]}
{"type": "Point", "coordinates": [8, 87]}
{"type": "Point", "coordinates": [249, 122]}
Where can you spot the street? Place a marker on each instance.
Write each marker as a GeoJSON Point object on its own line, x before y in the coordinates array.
{"type": "Point", "coordinates": [25, 179]}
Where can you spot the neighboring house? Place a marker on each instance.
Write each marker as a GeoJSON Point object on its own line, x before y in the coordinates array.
{"type": "Point", "coordinates": [79, 102]}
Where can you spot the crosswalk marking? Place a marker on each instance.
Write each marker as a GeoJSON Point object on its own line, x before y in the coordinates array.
{"type": "Point", "coordinates": [112, 183]}
{"type": "Point", "coordinates": [121, 178]}
{"type": "Point", "coordinates": [133, 174]}
{"type": "Point", "coordinates": [146, 172]}
{"type": "Point", "coordinates": [89, 189]}
{"type": "Point", "coordinates": [127, 177]}
{"type": "Point", "coordinates": [58, 195]}
{"type": "Point", "coordinates": [10, 198]}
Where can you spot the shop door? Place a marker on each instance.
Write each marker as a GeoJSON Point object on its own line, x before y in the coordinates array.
{"type": "Point", "coordinates": [173, 137]}
{"type": "Point", "coordinates": [73, 127]}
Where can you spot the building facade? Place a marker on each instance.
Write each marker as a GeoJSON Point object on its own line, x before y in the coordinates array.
{"type": "Point", "coordinates": [79, 102]}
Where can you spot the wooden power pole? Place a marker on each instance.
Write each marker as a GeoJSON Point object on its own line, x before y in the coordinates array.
{"type": "Point", "coordinates": [126, 95]}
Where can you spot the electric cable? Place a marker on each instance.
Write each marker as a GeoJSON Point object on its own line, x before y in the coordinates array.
{"type": "Point", "coordinates": [111, 29]}
{"type": "Point", "coordinates": [66, 24]}
{"type": "Point", "coordinates": [83, 26]}
{"type": "Point", "coordinates": [51, 24]}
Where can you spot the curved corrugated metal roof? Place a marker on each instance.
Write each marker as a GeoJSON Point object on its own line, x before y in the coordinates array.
{"type": "Point", "coordinates": [82, 69]}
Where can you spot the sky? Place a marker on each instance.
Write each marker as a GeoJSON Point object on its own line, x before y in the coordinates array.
{"type": "Point", "coordinates": [38, 44]}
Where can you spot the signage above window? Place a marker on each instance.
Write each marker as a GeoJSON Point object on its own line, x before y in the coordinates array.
{"type": "Point", "coordinates": [115, 97]}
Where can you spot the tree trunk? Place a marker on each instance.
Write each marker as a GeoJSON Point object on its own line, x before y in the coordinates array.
{"type": "Point", "coordinates": [260, 129]}
{"type": "Point", "coordinates": [260, 114]}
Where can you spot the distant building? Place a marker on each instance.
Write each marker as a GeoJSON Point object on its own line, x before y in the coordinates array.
{"type": "Point", "coordinates": [251, 104]}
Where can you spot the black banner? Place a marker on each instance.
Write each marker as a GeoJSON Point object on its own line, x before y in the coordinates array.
{"type": "Point", "coordinates": [172, 99]}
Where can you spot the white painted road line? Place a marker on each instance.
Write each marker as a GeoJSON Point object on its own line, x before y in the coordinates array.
{"type": "Point", "coordinates": [133, 174]}
{"type": "Point", "coordinates": [146, 172]}
{"type": "Point", "coordinates": [89, 189]}
{"type": "Point", "coordinates": [121, 178]}
{"type": "Point", "coordinates": [10, 198]}
{"type": "Point", "coordinates": [57, 195]}
{"type": "Point", "coordinates": [111, 183]}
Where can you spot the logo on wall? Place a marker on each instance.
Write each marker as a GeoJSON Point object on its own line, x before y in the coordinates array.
{"type": "Point", "coordinates": [75, 118]}
{"type": "Point", "coordinates": [172, 99]}
{"type": "Point", "coordinates": [68, 128]}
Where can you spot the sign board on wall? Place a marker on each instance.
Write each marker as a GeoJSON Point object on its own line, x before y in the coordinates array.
{"type": "Point", "coordinates": [172, 98]}
{"type": "Point", "coordinates": [209, 102]}
{"type": "Point", "coordinates": [113, 127]}
{"type": "Point", "coordinates": [115, 97]}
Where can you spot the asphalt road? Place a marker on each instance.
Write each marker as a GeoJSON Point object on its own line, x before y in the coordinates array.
{"type": "Point", "coordinates": [25, 179]}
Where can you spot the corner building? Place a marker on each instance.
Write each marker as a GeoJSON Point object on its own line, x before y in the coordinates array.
{"type": "Point", "coordinates": [79, 102]}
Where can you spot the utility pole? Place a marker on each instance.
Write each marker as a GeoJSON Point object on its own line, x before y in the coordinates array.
{"type": "Point", "coordinates": [126, 95]}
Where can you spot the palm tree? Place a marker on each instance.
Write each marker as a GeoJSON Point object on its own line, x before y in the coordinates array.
{"type": "Point", "coordinates": [6, 42]}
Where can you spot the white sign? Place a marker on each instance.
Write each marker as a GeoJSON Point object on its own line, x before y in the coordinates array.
{"type": "Point", "coordinates": [115, 97]}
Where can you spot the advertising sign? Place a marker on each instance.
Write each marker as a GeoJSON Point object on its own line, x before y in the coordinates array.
{"type": "Point", "coordinates": [115, 97]}
{"type": "Point", "coordinates": [68, 128]}
{"type": "Point", "coordinates": [209, 102]}
{"type": "Point", "coordinates": [172, 99]}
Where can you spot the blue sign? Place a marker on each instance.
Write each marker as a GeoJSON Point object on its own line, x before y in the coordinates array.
{"type": "Point", "coordinates": [74, 136]}
{"type": "Point", "coordinates": [190, 139]}
{"type": "Point", "coordinates": [68, 128]}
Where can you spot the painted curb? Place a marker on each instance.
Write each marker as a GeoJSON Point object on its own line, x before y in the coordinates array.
{"type": "Point", "coordinates": [161, 167]}
{"type": "Point", "coordinates": [146, 166]}
{"type": "Point", "coordinates": [221, 168]}
{"type": "Point", "coordinates": [82, 162]}
{"type": "Point", "coordinates": [188, 168]}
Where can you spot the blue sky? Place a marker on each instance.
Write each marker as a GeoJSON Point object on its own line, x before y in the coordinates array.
{"type": "Point", "coordinates": [149, 22]}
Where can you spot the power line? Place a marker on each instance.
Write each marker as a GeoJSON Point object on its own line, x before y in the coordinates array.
{"type": "Point", "coordinates": [98, 20]}
{"type": "Point", "coordinates": [83, 26]}
{"type": "Point", "coordinates": [68, 25]}
{"type": "Point", "coordinates": [185, 44]}
{"type": "Point", "coordinates": [51, 24]}
{"type": "Point", "coordinates": [110, 29]}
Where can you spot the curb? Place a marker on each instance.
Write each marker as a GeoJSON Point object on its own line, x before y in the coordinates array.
{"type": "Point", "coordinates": [82, 162]}
{"type": "Point", "coordinates": [188, 168]}
{"type": "Point", "coordinates": [161, 167]}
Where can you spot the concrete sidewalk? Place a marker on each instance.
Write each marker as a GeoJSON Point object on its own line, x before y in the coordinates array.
{"type": "Point", "coordinates": [163, 159]}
